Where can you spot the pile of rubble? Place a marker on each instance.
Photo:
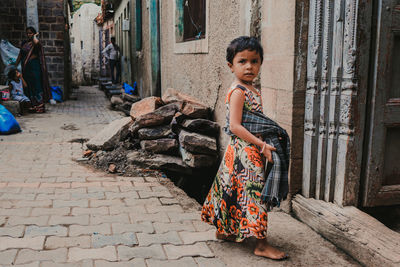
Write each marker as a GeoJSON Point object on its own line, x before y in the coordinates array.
{"type": "Point", "coordinates": [172, 133]}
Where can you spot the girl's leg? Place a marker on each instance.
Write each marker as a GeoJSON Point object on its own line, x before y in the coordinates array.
{"type": "Point", "coordinates": [265, 250]}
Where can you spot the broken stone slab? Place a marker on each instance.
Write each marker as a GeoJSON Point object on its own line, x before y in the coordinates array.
{"type": "Point", "coordinates": [109, 137]}
{"type": "Point", "coordinates": [161, 116]}
{"type": "Point", "coordinates": [130, 98]}
{"type": "Point", "coordinates": [158, 162]}
{"type": "Point", "coordinates": [144, 106]}
{"type": "Point", "coordinates": [116, 100]}
{"type": "Point", "coordinates": [163, 145]}
{"type": "Point", "coordinates": [203, 126]}
{"type": "Point", "coordinates": [172, 95]}
{"type": "Point", "coordinates": [197, 160]}
{"type": "Point", "coordinates": [196, 111]}
{"type": "Point", "coordinates": [155, 132]}
{"type": "Point", "coordinates": [197, 143]}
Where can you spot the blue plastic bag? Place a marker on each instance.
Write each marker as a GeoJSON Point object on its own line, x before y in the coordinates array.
{"type": "Point", "coordinates": [8, 124]}
{"type": "Point", "coordinates": [57, 93]}
{"type": "Point", "coordinates": [129, 89]}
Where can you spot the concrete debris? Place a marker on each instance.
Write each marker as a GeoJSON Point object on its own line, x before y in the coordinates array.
{"type": "Point", "coordinates": [163, 146]}
{"type": "Point", "coordinates": [198, 143]}
{"type": "Point", "coordinates": [108, 138]}
{"type": "Point", "coordinates": [144, 106]}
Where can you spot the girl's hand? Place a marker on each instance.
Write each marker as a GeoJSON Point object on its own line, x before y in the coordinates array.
{"type": "Point", "coordinates": [36, 34]}
{"type": "Point", "coordinates": [266, 150]}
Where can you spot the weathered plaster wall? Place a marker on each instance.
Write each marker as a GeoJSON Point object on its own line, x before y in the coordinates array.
{"type": "Point", "coordinates": [85, 61]}
{"type": "Point", "coordinates": [284, 37]}
{"type": "Point", "coordinates": [205, 76]}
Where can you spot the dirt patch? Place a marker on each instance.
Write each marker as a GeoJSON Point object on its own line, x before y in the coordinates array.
{"type": "Point", "coordinates": [79, 140]}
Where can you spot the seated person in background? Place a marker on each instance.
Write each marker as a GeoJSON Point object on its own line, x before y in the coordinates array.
{"type": "Point", "coordinates": [17, 85]}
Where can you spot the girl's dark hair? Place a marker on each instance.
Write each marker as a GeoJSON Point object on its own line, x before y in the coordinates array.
{"type": "Point", "coordinates": [11, 74]}
{"type": "Point", "coordinates": [31, 29]}
{"type": "Point", "coordinates": [243, 43]}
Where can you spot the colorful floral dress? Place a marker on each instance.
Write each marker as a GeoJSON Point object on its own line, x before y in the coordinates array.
{"type": "Point", "coordinates": [233, 204]}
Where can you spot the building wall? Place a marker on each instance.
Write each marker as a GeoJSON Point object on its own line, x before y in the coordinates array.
{"type": "Point", "coordinates": [51, 27]}
{"type": "Point", "coordinates": [85, 59]}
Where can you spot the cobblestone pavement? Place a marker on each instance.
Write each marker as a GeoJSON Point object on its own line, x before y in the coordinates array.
{"type": "Point", "coordinates": [56, 212]}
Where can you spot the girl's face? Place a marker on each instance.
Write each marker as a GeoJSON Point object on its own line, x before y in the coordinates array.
{"type": "Point", "coordinates": [30, 34]}
{"type": "Point", "coordinates": [246, 65]}
{"type": "Point", "coordinates": [17, 75]}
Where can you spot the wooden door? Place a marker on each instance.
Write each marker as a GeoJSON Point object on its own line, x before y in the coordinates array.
{"type": "Point", "coordinates": [382, 179]}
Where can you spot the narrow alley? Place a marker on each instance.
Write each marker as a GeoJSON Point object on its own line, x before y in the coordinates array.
{"type": "Point", "coordinates": [57, 212]}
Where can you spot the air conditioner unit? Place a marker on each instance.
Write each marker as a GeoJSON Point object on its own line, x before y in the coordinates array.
{"type": "Point", "coordinates": [126, 25]}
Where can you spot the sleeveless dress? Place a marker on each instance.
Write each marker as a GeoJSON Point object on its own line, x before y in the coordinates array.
{"type": "Point", "coordinates": [233, 204]}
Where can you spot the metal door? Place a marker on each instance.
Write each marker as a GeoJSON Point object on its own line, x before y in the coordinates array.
{"type": "Point", "coordinates": [382, 179]}
{"type": "Point", "coordinates": [155, 48]}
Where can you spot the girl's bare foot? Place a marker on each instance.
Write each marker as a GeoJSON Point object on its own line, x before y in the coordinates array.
{"type": "Point", "coordinates": [219, 236]}
{"type": "Point", "coordinates": [263, 249]}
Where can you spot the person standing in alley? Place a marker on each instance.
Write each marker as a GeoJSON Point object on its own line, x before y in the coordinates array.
{"type": "Point", "coordinates": [34, 70]}
{"type": "Point", "coordinates": [112, 53]}
{"type": "Point", "coordinates": [252, 177]}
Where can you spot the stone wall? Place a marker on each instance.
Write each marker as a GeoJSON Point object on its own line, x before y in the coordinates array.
{"type": "Point", "coordinates": [51, 27]}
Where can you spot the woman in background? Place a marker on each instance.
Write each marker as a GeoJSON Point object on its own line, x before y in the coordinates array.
{"type": "Point", "coordinates": [34, 70]}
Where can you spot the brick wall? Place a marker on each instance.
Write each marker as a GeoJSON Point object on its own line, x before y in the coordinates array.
{"type": "Point", "coordinates": [51, 28]}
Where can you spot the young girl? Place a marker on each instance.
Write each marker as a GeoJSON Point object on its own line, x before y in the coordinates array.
{"type": "Point", "coordinates": [234, 204]}
{"type": "Point", "coordinates": [17, 84]}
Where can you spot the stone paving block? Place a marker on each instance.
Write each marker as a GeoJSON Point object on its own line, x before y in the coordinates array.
{"type": "Point", "coordinates": [114, 189]}
{"type": "Point", "coordinates": [184, 262]}
{"type": "Point", "coordinates": [175, 226]}
{"type": "Point", "coordinates": [6, 204]}
{"type": "Point", "coordinates": [166, 238]}
{"type": "Point", "coordinates": [119, 183]}
{"type": "Point", "coordinates": [168, 208]}
{"type": "Point", "coordinates": [152, 217]}
{"type": "Point", "coordinates": [28, 255]}
{"type": "Point", "coordinates": [83, 203]}
{"type": "Point", "coordinates": [144, 227]}
{"type": "Point", "coordinates": [132, 179]}
{"type": "Point", "coordinates": [125, 210]}
{"type": "Point", "coordinates": [77, 230]}
{"type": "Point", "coordinates": [15, 212]}
{"type": "Point", "coordinates": [35, 203]}
{"type": "Point", "coordinates": [148, 194]}
{"type": "Point", "coordinates": [206, 262]}
{"type": "Point", "coordinates": [55, 185]}
{"type": "Point", "coordinates": [131, 263]}
{"type": "Point", "coordinates": [168, 201]}
{"type": "Point", "coordinates": [199, 249]}
{"type": "Point", "coordinates": [38, 190]}
{"type": "Point", "coordinates": [100, 210]}
{"type": "Point", "coordinates": [70, 179]}
{"type": "Point", "coordinates": [66, 220]}
{"type": "Point", "coordinates": [64, 196]}
{"type": "Point", "coordinates": [127, 239]}
{"type": "Point", "coordinates": [86, 263]}
{"type": "Point", "coordinates": [50, 211]}
{"type": "Point", "coordinates": [106, 253]}
{"type": "Point", "coordinates": [180, 216]}
{"type": "Point", "coordinates": [100, 179]}
{"type": "Point", "coordinates": [8, 256]}
{"type": "Point", "coordinates": [70, 190]}
{"type": "Point", "coordinates": [16, 231]}
{"type": "Point", "coordinates": [150, 179]}
{"type": "Point", "coordinates": [12, 196]}
{"type": "Point", "coordinates": [116, 218]}
{"type": "Point", "coordinates": [120, 195]}
{"type": "Point", "coordinates": [3, 220]}
{"type": "Point", "coordinates": [134, 189]}
{"type": "Point", "coordinates": [53, 242]}
{"type": "Point", "coordinates": [202, 226]}
{"type": "Point", "coordinates": [85, 184]}
{"type": "Point", "coordinates": [33, 230]}
{"type": "Point", "coordinates": [153, 252]}
{"type": "Point", "coordinates": [95, 203]}
{"type": "Point", "coordinates": [193, 237]}
{"type": "Point", "coordinates": [18, 220]}
{"type": "Point", "coordinates": [32, 264]}
{"type": "Point", "coordinates": [22, 185]}
{"type": "Point", "coordinates": [95, 195]}
{"type": "Point", "coordinates": [26, 242]}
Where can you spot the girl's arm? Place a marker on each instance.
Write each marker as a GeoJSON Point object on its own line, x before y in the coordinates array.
{"type": "Point", "coordinates": [24, 84]}
{"type": "Point", "coordinates": [235, 121]}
